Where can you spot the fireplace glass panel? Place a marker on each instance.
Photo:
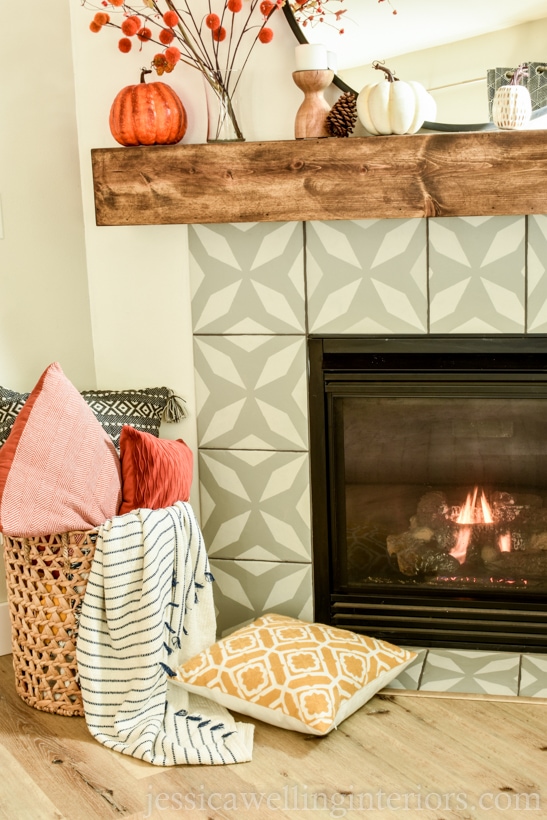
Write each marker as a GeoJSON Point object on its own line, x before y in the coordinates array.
{"type": "Point", "coordinates": [437, 490]}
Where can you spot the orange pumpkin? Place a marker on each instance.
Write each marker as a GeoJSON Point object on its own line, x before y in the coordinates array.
{"type": "Point", "coordinates": [147, 114]}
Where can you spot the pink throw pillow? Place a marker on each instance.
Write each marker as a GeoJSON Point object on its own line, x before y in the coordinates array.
{"type": "Point", "coordinates": [59, 470]}
{"type": "Point", "coordinates": [156, 472]}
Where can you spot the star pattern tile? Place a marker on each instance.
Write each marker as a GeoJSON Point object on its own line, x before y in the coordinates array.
{"type": "Point", "coordinates": [251, 392]}
{"type": "Point", "coordinates": [247, 278]}
{"type": "Point", "coordinates": [533, 676]}
{"type": "Point", "coordinates": [244, 590]}
{"type": "Point", "coordinates": [255, 504]}
{"type": "Point", "coordinates": [367, 276]}
{"type": "Point", "coordinates": [477, 274]}
{"type": "Point", "coordinates": [470, 671]}
{"type": "Point", "coordinates": [410, 678]}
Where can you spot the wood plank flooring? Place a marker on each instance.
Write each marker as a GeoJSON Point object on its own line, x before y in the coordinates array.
{"type": "Point", "coordinates": [412, 757]}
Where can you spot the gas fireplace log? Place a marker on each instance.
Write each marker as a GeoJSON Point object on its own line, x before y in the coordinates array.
{"type": "Point", "coordinates": [426, 559]}
{"type": "Point", "coordinates": [436, 536]}
{"type": "Point", "coordinates": [508, 507]}
{"type": "Point", "coordinates": [411, 538]}
{"type": "Point", "coordinates": [534, 519]}
{"type": "Point", "coordinates": [520, 564]}
{"type": "Point", "coordinates": [432, 510]}
{"type": "Point", "coordinates": [538, 542]}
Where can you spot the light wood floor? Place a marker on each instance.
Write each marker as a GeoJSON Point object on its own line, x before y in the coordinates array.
{"type": "Point", "coordinates": [402, 756]}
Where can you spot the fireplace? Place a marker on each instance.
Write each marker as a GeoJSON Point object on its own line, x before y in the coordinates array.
{"type": "Point", "coordinates": [429, 488]}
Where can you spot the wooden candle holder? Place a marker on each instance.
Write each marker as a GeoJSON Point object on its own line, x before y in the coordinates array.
{"type": "Point", "coordinates": [311, 116]}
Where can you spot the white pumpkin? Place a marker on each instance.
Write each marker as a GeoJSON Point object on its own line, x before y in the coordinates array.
{"type": "Point", "coordinates": [393, 106]}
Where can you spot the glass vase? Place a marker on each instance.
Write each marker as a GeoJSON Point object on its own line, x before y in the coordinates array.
{"type": "Point", "coordinates": [222, 108]}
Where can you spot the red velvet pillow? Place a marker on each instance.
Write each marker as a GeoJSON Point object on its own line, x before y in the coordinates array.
{"type": "Point", "coordinates": [59, 470]}
{"type": "Point", "coordinates": [156, 472]}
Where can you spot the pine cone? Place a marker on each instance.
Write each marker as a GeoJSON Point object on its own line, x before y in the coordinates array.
{"type": "Point", "coordinates": [342, 117]}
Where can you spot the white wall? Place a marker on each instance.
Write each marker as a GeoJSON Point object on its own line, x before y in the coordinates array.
{"type": "Point", "coordinates": [44, 305]}
{"type": "Point", "coordinates": [44, 302]}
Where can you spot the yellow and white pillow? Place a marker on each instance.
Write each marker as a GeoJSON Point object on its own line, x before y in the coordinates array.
{"type": "Point", "coordinates": [293, 674]}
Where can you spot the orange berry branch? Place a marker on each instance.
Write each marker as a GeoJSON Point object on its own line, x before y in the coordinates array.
{"type": "Point", "coordinates": [182, 35]}
{"type": "Point", "coordinates": [330, 12]}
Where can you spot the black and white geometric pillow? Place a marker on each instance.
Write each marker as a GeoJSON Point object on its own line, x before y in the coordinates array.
{"type": "Point", "coordinates": [10, 405]}
{"type": "Point", "coordinates": [143, 409]}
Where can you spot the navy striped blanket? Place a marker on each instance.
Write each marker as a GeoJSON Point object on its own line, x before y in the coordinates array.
{"type": "Point", "coordinates": [148, 607]}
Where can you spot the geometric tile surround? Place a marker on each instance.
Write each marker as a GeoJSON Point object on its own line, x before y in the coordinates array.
{"type": "Point", "coordinates": [257, 291]}
{"type": "Point", "coordinates": [474, 672]}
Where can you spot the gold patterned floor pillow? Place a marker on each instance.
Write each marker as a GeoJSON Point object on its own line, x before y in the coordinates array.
{"type": "Point", "coordinates": [308, 677]}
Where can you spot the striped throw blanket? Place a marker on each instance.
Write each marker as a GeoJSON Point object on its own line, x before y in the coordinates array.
{"type": "Point", "coordinates": [148, 607]}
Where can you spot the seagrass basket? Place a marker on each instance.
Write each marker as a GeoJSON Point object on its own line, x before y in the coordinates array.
{"type": "Point", "coordinates": [46, 580]}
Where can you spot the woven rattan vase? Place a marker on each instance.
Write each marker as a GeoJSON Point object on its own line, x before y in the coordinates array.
{"type": "Point", "coordinates": [46, 579]}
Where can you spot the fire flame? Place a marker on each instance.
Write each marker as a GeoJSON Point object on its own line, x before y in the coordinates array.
{"type": "Point", "coordinates": [459, 552]}
{"type": "Point", "coordinates": [504, 542]}
{"type": "Point", "coordinates": [476, 510]}
{"type": "Point", "coordinates": [471, 513]}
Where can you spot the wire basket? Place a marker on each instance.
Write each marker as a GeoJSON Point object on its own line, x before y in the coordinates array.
{"type": "Point", "coordinates": [46, 579]}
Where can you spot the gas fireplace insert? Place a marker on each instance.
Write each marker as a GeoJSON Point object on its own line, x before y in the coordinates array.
{"type": "Point", "coordinates": [429, 488]}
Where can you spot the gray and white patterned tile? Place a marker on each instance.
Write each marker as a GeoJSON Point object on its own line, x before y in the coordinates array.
{"type": "Point", "coordinates": [245, 590]}
{"type": "Point", "coordinates": [471, 672]}
{"type": "Point", "coordinates": [247, 278]}
{"type": "Point", "coordinates": [367, 276]}
{"type": "Point", "coordinates": [409, 678]}
{"type": "Point", "coordinates": [251, 392]}
{"type": "Point", "coordinates": [477, 274]}
{"type": "Point", "coordinates": [533, 676]}
{"type": "Point", "coordinates": [537, 274]}
{"type": "Point", "coordinates": [255, 505]}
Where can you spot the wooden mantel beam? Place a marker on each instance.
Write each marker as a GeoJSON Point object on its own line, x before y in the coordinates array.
{"type": "Point", "coordinates": [457, 174]}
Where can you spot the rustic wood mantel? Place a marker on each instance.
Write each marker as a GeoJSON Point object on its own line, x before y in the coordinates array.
{"type": "Point", "coordinates": [456, 174]}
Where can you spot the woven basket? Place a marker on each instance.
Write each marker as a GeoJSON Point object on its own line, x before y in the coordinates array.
{"type": "Point", "coordinates": [46, 578]}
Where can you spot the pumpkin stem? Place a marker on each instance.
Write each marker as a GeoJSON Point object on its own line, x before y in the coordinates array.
{"type": "Point", "coordinates": [520, 73]}
{"type": "Point", "coordinates": [145, 71]}
{"type": "Point", "coordinates": [390, 76]}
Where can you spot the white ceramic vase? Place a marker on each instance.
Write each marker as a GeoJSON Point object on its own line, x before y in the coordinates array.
{"type": "Point", "coordinates": [512, 107]}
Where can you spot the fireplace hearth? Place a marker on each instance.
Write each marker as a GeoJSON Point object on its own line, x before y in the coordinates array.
{"type": "Point", "coordinates": [429, 488]}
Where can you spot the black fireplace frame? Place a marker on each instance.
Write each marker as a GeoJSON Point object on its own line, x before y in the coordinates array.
{"type": "Point", "coordinates": [465, 619]}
